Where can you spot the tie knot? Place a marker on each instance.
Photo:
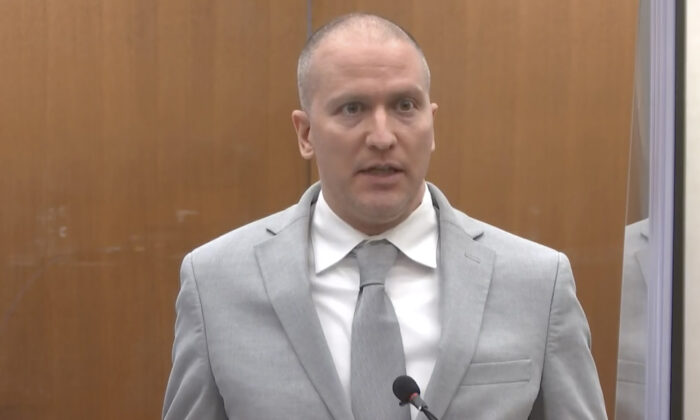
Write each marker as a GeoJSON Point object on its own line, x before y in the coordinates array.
{"type": "Point", "coordinates": [374, 259]}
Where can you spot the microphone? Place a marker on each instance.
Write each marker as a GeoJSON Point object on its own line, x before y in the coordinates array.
{"type": "Point", "coordinates": [407, 391]}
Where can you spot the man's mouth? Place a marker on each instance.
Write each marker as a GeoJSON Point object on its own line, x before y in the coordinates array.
{"type": "Point", "coordinates": [381, 170]}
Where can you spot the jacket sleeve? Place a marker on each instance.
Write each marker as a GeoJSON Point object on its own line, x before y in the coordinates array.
{"type": "Point", "coordinates": [570, 388]}
{"type": "Point", "coordinates": [191, 392]}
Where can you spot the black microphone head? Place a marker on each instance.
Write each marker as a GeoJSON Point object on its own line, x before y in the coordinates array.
{"type": "Point", "coordinates": [404, 388]}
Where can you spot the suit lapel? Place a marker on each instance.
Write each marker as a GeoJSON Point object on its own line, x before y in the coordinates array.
{"type": "Point", "coordinates": [465, 270]}
{"type": "Point", "coordinates": [283, 262]}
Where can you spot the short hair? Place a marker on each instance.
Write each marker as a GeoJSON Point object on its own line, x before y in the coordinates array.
{"type": "Point", "coordinates": [376, 24]}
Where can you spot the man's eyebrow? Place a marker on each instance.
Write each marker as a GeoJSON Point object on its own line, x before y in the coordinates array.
{"type": "Point", "coordinates": [414, 92]}
{"type": "Point", "coordinates": [346, 97]}
{"type": "Point", "coordinates": [408, 91]}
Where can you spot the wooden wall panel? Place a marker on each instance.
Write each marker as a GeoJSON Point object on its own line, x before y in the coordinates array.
{"type": "Point", "coordinates": [533, 127]}
{"type": "Point", "coordinates": [130, 132]}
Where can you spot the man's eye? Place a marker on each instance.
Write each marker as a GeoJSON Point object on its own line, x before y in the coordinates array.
{"type": "Point", "coordinates": [351, 108]}
{"type": "Point", "coordinates": [405, 105]}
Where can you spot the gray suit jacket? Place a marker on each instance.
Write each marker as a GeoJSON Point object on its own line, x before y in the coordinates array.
{"type": "Point", "coordinates": [249, 345]}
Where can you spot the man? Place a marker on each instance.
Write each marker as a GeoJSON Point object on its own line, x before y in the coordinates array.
{"type": "Point", "coordinates": [488, 322]}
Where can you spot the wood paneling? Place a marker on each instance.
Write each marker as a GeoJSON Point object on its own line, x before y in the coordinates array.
{"type": "Point", "coordinates": [533, 128]}
{"type": "Point", "coordinates": [130, 132]}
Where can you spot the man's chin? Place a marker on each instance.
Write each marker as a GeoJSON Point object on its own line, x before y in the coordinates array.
{"type": "Point", "coordinates": [384, 216]}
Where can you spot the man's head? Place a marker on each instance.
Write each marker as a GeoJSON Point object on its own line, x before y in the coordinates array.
{"type": "Point", "coordinates": [367, 119]}
{"type": "Point", "coordinates": [373, 26]}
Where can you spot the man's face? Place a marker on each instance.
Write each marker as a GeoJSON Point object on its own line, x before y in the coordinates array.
{"type": "Point", "coordinates": [370, 127]}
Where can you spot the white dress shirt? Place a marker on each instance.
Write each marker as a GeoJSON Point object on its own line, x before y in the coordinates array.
{"type": "Point", "coordinates": [411, 284]}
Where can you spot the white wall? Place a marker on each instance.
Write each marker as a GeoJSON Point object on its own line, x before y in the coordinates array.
{"type": "Point", "coordinates": [692, 213]}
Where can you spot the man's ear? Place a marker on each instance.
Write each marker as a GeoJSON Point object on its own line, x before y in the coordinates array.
{"type": "Point", "coordinates": [302, 126]}
{"type": "Point", "coordinates": [434, 108]}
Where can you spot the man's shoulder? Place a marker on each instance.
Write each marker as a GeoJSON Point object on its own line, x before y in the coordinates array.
{"type": "Point", "coordinates": [498, 240]}
{"type": "Point", "coordinates": [246, 237]}
{"type": "Point", "coordinates": [516, 260]}
{"type": "Point", "coordinates": [503, 243]}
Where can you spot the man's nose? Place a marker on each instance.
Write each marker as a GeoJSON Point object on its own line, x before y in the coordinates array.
{"type": "Point", "coordinates": [380, 135]}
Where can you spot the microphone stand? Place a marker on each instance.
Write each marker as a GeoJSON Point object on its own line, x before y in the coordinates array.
{"type": "Point", "coordinates": [428, 414]}
{"type": "Point", "coordinates": [423, 409]}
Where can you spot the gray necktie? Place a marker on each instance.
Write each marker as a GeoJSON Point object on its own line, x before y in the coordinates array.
{"type": "Point", "coordinates": [376, 354]}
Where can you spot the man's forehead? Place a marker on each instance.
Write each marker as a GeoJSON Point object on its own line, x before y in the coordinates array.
{"type": "Point", "coordinates": [337, 52]}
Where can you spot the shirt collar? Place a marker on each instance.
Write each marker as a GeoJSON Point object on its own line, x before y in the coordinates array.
{"type": "Point", "coordinates": [416, 237]}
